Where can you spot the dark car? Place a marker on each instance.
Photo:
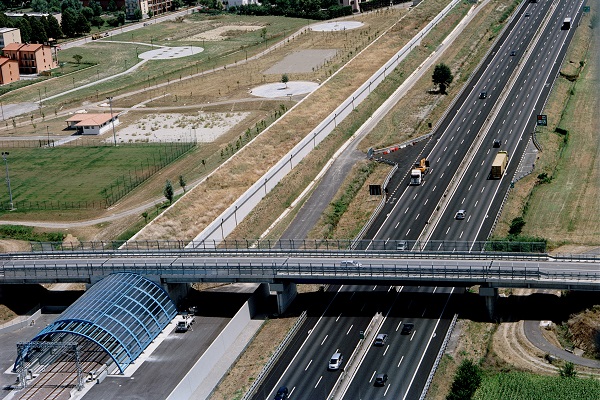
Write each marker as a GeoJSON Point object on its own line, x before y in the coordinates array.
{"type": "Point", "coordinates": [380, 339]}
{"type": "Point", "coordinates": [282, 393]}
{"type": "Point", "coordinates": [407, 328]}
{"type": "Point", "coordinates": [381, 379]}
{"type": "Point", "coordinates": [513, 53]}
{"type": "Point", "coordinates": [483, 95]}
{"type": "Point", "coordinates": [496, 143]}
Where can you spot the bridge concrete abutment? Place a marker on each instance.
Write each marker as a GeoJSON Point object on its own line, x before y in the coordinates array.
{"type": "Point", "coordinates": [491, 297]}
{"type": "Point", "coordinates": [177, 291]}
{"type": "Point", "coordinates": [286, 293]}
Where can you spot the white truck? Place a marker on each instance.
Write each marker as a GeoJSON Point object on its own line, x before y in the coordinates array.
{"type": "Point", "coordinates": [418, 171]}
{"type": "Point", "coordinates": [185, 323]}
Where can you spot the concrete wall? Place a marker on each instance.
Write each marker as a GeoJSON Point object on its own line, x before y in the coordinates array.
{"type": "Point", "coordinates": [20, 322]}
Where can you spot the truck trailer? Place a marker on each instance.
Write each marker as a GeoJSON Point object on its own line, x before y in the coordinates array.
{"type": "Point", "coordinates": [499, 164]}
{"type": "Point", "coordinates": [566, 24]}
{"type": "Point", "coordinates": [418, 171]}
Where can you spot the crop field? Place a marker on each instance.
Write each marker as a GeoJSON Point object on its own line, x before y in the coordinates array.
{"type": "Point", "coordinates": [525, 386]}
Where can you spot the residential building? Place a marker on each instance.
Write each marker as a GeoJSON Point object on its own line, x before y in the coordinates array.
{"type": "Point", "coordinates": [92, 124]}
{"type": "Point", "coordinates": [132, 5]}
{"type": "Point", "coordinates": [9, 70]}
{"type": "Point", "coordinates": [159, 6]}
{"type": "Point", "coordinates": [9, 35]}
{"type": "Point", "coordinates": [32, 58]}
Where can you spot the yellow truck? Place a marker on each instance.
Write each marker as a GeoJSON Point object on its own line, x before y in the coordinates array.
{"type": "Point", "coordinates": [499, 164]}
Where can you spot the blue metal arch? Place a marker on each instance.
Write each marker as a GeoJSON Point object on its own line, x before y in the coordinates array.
{"type": "Point", "coordinates": [106, 310]}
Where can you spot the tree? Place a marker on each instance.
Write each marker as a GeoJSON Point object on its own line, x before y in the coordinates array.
{"type": "Point", "coordinates": [568, 370]}
{"type": "Point", "coordinates": [137, 14]}
{"type": "Point", "coordinates": [38, 32]}
{"type": "Point", "coordinates": [112, 6]}
{"type": "Point", "coordinates": [182, 182]}
{"type": "Point", "coordinates": [98, 22]}
{"type": "Point", "coordinates": [88, 13]}
{"type": "Point", "coordinates": [40, 6]}
{"type": "Point", "coordinates": [77, 57]}
{"type": "Point", "coordinates": [145, 216]}
{"type": "Point", "coordinates": [168, 191]}
{"type": "Point", "coordinates": [121, 17]}
{"type": "Point", "coordinates": [150, 13]}
{"type": "Point", "coordinates": [74, 5]}
{"type": "Point", "coordinates": [96, 7]}
{"type": "Point", "coordinates": [83, 25]}
{"type": "Point", "coordinates": [26, 31]}
{"type": "Point", "coordinates": [466, 381]}
{"type": "Point", "coordinates": [516, 226]}
{"type": "Point", "coordinates": [285, 79]}
{"type": "Point", "coordinates": [54, 30]}
{"type": "Point", "coordinates": [175, 4]}
{"type": "Point", "coordinates": [54, 5]}
{"type": "Point", "coordinates": [69, 22]}
{"type": "Point", "coordinates": [442, 76]}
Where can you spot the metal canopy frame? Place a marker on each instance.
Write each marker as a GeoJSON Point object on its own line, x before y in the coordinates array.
{"type": "Point", "coordinates": [123, 313]}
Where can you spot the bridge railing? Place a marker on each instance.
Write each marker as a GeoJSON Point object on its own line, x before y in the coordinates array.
{"type": "Point", "coordinates": [187, 270]}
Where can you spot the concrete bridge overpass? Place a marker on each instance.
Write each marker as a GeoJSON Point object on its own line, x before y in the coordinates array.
{"type": "Point", "coordinates": [281, 269]}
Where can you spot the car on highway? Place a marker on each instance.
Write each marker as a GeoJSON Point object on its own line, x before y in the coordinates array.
{"type": "Point", "coordinates": [380, 339]}
{"type": "Point", "coordinates": [496, 143]}
{"type": "Point", "coordinates": [407, 328]}
{"type": "Point", "coordinates": [513, 53]}
{"type": "Point", "coordinates": [282, 393]}
{"type": "Point", "coordinates": [350, 263]}
{"type": "Point", "coordinates": [483, 95]}
{"type": "Point", "coordinates": [527, 14]}
{"type": "Point", "coordinates": [381, 379]}
{"type": "Point", "coordinates": [402, 245]}
{"type": "Point", "coordinates": [460, 214]}
{"type": "Point", "coordinates": [335, 362]}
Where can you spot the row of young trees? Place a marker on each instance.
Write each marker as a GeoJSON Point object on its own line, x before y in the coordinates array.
{"type": "Point", "coordinates": [312, 9]}
{"type": "Point", "coordinates": [33, 30]}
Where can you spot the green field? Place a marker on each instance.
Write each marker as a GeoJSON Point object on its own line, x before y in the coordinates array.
{"type": "Point", "coordinates": [525, 386]}
{"type": "Point", "coordinates": [81, 177]}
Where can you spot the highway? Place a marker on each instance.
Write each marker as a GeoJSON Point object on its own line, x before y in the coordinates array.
{"type": "Point", "coordinates": [505, 94]}
{"type": "Point", "coordinates": [516, 119]}
{"type": "Point", "coordinates": [410, 208]}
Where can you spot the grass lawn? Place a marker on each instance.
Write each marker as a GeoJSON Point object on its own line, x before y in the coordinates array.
{"type": "Point", "coordinates": [40, 177]}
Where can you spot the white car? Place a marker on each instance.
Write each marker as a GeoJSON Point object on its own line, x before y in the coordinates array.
{"type": "Point", "coordinates": [350, 263]}
{"type": "Point", "coordinates": [460, 214]}
{"type": "Point", "coordinates": [335, 362]}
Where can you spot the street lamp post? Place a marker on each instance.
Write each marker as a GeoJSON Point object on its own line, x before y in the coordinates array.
{"type": "Point", "coordinates": [112, 119]}
{"type": "Point", "coordinates": [48, 133]}
{"type": "Point", "coordinates": [4, 154]}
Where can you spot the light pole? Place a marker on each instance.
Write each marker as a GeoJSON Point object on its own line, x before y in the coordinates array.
{"type": "Point", "coordinates": [48, 133]}
{"type": "Point", "coordinates": [112, 119]}
{"type": "Point", "coordinates": [4, 154]}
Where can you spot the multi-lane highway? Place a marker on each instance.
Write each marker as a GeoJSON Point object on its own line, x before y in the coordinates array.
{"type": "Point", "coordinates": [505, 92]}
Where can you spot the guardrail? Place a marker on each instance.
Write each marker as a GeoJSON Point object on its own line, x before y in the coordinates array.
{"type": "Point", "coordinates": [274, 357]}
{"type": "Point", "coordinates": [291, 246]}
{"type": "Point", "coordinates": [439, 357]}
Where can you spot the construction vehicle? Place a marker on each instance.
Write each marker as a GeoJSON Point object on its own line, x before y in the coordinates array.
{"type": "Point", "coordinates": [99, 35]}
{"type": "Point", "coordinates": [419, 170]}
{"type": "Point", "coordinates": [185, 324]}
{"type": "Point", "coordinates": [499, 164]}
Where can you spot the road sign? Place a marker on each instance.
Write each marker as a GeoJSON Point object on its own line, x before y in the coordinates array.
{"type": "Point", "coordinates": [586, 9]}
{"type": "Point", "coordinates": [542, 120]}
{"type": "Point", "coordinates": [362, 334]}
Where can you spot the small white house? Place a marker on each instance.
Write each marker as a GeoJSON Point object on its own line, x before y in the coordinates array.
{"type": "Point", "coordinates": [92, 124]}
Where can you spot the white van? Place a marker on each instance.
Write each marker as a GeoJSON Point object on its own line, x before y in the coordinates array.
{"type": "Point", "coordinates": [350, 263]}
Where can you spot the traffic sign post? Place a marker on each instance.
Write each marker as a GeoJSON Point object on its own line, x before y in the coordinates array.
{"type": "Point", "coordinates": [542, 120]}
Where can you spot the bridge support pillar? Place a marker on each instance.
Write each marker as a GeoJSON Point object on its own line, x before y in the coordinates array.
{"type": "Point", "coordinates": [177, 291]}
{"type": "Point", "coordinates": [491, 296]}
{"type": "Point", "coordinates": [286, 293]}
